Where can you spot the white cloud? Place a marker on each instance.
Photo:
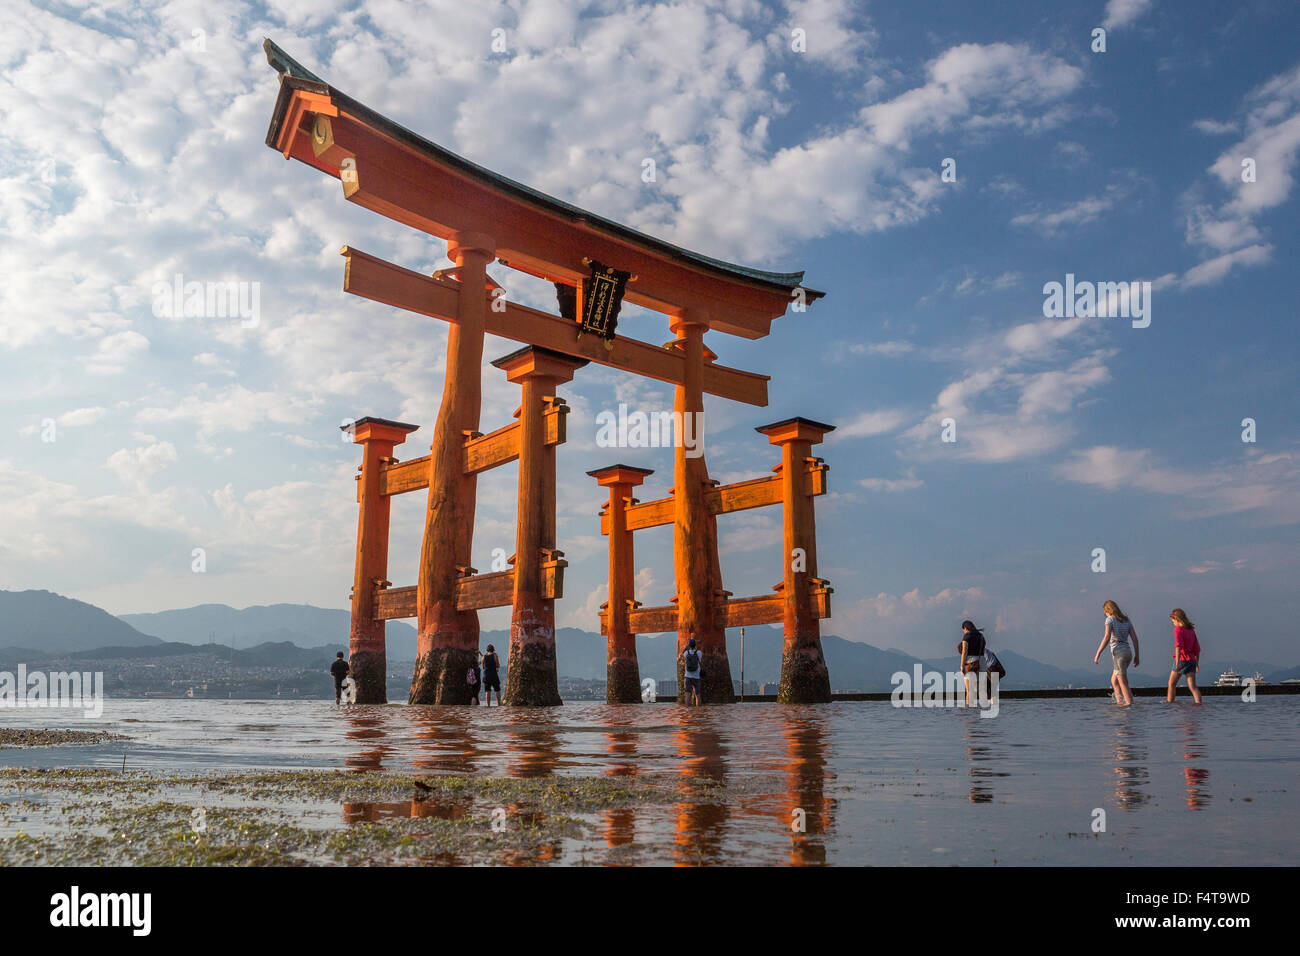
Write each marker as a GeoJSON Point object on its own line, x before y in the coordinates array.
{"type": "Point", "coordinates": [1013, 400]}
{"type": "Point", "coordinates": [1270, 146]}
{"type": "Point", "coordinates": [1057, 390]}
{"type": "Point", "coordinates": [1007, 75]}
{"type": "Point", "coordinates": [1041, 336]}
{"type": "Point", "coordinates": [869, 423]}
{"type": "Point", "coordinates": [1214, 127]}
{"type": "Point", "coordinates": [1214, 270]}
{"type": "Point", "coordinates": [115, 351]}
{"type": "Point", "coordinates": [82, 416]}
{"type": "Point", "coordinates": [890, 348]}
{"type": "Point", "coordinates": [136, 466]}
{"type": "Point", "coordinates": [231, 409]}
{"type": "Point", "coordinates": [1253, 482]}
{"type": "Point", "coordinates": [832, 37]}
{"type": "Point", "coordinates": [974, 284]}
{"type": "Point", "coordinates": [55, 531]}
{"type": "Point", "coordinates": [891, 484]}
{"type": "Point", "coordinates": [1123, 13]}
{"type": "Point", "coordinates": [894, 620]}
{"type": "Point", "coordinates": [1081, 212]}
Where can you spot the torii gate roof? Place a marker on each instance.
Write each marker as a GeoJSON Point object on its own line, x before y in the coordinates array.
{"type": "Point", "coordinates": [404, 176]}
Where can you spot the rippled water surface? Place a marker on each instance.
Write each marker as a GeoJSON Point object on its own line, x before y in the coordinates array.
{"type": "Point", "coordinates": [873, 784]}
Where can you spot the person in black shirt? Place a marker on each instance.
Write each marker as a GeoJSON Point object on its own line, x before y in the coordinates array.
{"type": "Point", "coordinates": [340, 670]}
{"type": "Point", "coordinates": [491, 679]}
{"type": "Point", "coordinates": [971, 651]}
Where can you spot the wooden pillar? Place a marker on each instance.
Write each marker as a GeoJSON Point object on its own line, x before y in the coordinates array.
{"type": "Point", "coordinates": [366, 649]}
{"type": "Point", "coordinates": [448, 638]}
{"type": "Point", "coordinates": [695, 531]}
{"type": "Point", "coordinates": [622, 674]}
{"type": "Point", "coordinates": [531, 677]}
{"type": "Point", "coordinates": [804, 678]}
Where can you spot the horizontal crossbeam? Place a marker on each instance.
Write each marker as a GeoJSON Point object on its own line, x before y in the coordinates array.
{"type": "Point", "coordinates": [481, 453]}
{"type": "Point", "coordinates": [741, 496]}
{"type": "Point", "coordinates": [380, 281]}
{"type": "Point", "coordinates": [734, 612]}
{"type": "Point", "coordinates": [474, 592]}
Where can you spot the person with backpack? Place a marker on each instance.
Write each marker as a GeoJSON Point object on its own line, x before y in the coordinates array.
{"type": "Point", "coordinates": [491, 676]}
{"type": "Point", "coordinates": [1187, 655]}
{"type": "Point", "coordinates": [970, 654]}
{"type": "Point", "coordinates": [474, 677]}
{"type": "Point", "coordinates": [1118, 633]}
{"type": "Point", "coordinates": [992, 665]}
{"type": "Point", "coordinates": [691, 660]}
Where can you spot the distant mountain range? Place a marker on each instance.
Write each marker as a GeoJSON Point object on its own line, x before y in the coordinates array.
{"type": "Point", "coordinates": [43, 619]}
{"type": "Point", "coordinates": [40, 624]}
{"type": "Point", "coordinates": [282, 654]}
{"type": "Point", "coordinates": [300, 624]}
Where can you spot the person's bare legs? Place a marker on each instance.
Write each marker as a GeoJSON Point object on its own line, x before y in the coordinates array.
{"type": "Point", "coordinates": [1191, 685]}
{"type": "Point", "coordinates": [1173, 686]}
{"type": "Point", "coordinates": [1122, 680]}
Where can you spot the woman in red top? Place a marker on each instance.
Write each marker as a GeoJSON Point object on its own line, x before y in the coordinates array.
{"type": "Point", "coordinates": [1187, 654]}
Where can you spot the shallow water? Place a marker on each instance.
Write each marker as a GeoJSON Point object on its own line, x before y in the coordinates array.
{"type": "Point", "coordinates": [873, 784]}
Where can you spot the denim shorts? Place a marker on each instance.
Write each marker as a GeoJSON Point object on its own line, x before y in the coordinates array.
{"type": "Point", "coordinates": [1123, 656]}
{"type": "Point", "coordinates": [1186, 667]}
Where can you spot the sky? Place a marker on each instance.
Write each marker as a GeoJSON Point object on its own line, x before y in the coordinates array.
{"type": "Point", "coordinates": [933, 166]}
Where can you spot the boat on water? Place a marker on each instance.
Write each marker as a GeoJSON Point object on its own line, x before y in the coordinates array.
{"type": "Point", "coordinates": [1230, 678]}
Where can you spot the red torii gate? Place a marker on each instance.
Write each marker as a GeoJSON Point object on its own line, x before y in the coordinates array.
{"type": "Point", "coordinates": [483, 216]}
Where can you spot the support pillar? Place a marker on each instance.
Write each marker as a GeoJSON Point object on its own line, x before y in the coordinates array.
{"type": "Point", "coordinates": [447, 643]}
{"type": "Point", "coordinates": [804, 678]}
{"type": "Point", "coordinates": [695, 529]}
{"type": "Point", "coordinates": [367, 654]}
{"type": "Point", "coordinates": [531, 676]}
{"type": "Point", "coordinates": [622, 674]}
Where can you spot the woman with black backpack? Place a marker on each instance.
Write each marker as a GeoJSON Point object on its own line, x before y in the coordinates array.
{"type": "Point", "coordinates": [971, 654]}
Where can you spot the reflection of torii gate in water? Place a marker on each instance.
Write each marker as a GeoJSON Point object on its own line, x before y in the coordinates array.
{"type": "Point", "coordinates": [483, 216]}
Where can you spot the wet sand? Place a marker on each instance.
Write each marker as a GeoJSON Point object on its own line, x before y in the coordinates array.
{"type": "Point", "coordinates": [104, 817]}
{"type": "Point", "coordinates": [25, 737]}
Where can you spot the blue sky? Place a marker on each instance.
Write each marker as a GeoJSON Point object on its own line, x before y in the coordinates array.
{"type": "Point", "coordinates": [131, 149]}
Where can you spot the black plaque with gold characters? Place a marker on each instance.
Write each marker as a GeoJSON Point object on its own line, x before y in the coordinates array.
{"type": "Point", "coordinates": [602, 299]}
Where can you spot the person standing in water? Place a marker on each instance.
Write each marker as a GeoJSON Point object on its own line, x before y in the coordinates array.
{"type": "Point", "coordinates": [1187, 655]}
{"type": "Point", "coordinates": [1123, 639]}
{"type": "Point", "coordinates": [491, 676]}
{"type": "Point", "coordinates": [970, 652]}
{"type": "Point", "coordinates": [691, 662]}
{"type": "Point", "coordinates": [339, 671]}
{"type": "Point", "coordinates": [475, 678]}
